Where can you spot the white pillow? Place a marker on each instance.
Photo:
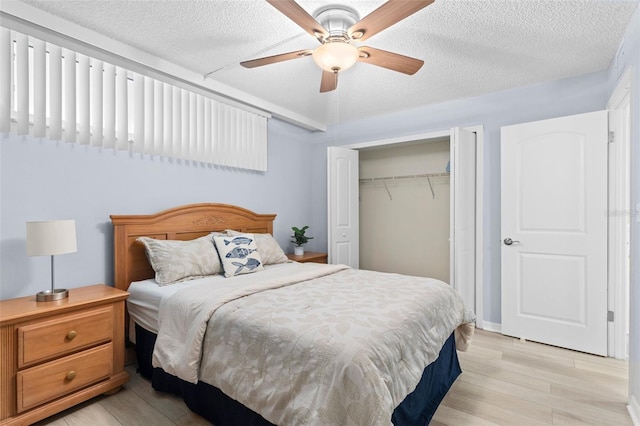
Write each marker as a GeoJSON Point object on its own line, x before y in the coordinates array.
{"type": "Point", "coordinates": [176, 260]}
{"type": "Point", "coordinates": [239, 254]}
{"type": "Point", "coordinates": [269, 249]}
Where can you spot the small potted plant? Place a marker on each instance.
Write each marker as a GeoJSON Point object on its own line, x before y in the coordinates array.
{"type": "Point", "coordinates": [299, 239]}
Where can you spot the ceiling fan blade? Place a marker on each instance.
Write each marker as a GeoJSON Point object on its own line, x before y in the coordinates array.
{"type": "Point", "coordinates": [389, 60]}
{"type": "Point", "coordinates": [276, 58]}
{"type": "Point", "coordinates": [329, 81]}
{"type": "Point", "coordinates": [297, 14]}
{"type": "Point", "coordinates": [385, 16]}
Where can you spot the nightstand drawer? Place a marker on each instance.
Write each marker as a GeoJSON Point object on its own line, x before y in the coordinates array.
{"type": "Point", "coordinates": [45, 382]}
{"type": "Point", "coordinates": [44, 340]}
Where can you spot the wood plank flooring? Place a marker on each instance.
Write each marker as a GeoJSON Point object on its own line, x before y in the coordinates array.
{"type": "Point", "coordinates": [504, 382]}
{"type": "Point", "coordinates": [509, 382]}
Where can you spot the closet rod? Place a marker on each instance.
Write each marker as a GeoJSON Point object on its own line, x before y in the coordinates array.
{"type": "Point", "coordinates": [424, 175]}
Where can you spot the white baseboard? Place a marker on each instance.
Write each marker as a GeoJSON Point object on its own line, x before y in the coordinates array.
{"type": "Point", "coordinates": [491, 326]}
{"type": "Point", "coordinates": [634, 410]}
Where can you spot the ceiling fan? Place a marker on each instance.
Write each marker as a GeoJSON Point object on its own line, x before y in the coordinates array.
{"type": "Point", "coordinates": [337, 28]}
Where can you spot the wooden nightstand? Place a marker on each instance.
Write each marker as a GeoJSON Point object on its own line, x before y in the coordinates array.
{"type": "Point", "coordinates": [309, 256]}
{"type": "Point", "coordinates": [54, 355]}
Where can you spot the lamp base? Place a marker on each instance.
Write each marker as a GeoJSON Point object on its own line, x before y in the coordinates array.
{"type": "Point", "coordinates": [49, 295]}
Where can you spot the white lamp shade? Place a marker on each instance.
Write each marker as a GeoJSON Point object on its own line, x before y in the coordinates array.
{"type": "Point", "coordinates": [51, 237]}
{"type": "Point", "coordinates": [335, 56]}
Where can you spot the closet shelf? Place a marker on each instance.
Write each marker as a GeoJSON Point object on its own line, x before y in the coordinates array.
{"type": "Point", "coordinates": [384, 180]}
{"type": "Point", "coordinates": [416, 176]}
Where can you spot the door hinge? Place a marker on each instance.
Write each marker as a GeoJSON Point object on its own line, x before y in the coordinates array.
{"type": "Point", "coordinates": [609, 316]}
{"type": "Point", "coordinates": [612, 137]}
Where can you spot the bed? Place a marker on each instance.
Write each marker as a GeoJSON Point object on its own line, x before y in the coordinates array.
{"type": "Point", "coordinates": [290, 344]}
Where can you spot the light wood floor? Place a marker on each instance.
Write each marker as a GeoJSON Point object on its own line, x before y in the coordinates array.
{"type": "Point", "coordinates": [504, 382]}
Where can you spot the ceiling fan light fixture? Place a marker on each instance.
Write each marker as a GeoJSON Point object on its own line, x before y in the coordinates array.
{"type": "Point", "coordinates": [335, 56]}
{"type": "Point", "coordinates": [335, 27]}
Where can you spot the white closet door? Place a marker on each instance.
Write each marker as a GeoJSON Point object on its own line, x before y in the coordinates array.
{"type": "Point", "coordinates": [343, 214]}
{"type": "Point", "coordinates": [463, 209]}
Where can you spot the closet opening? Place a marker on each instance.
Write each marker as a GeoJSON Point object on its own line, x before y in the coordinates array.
{"type": "Point", "coordinates": [404, 197]}
{"type": "Point", "coordinates": [406, 212]}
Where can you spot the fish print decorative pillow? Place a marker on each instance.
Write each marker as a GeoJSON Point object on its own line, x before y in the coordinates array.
{"type": "Point", "coordinates": [239, 254]}
{"type": "Point", "coordinates": [270, 251]}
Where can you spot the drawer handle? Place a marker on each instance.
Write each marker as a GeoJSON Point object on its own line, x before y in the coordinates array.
{"type": "Point", "coordinates": [72, 335]}
{"type": "Point", "coordinates": [71, 375]}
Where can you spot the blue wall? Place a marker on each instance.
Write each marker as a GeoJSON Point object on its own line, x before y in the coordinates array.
{"type": "Point", "coordinates": [42, 179]}
{"type": "Point", "coordinates": [547, 100]}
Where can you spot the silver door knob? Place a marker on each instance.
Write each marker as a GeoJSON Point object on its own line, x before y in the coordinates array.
{"type": "Point", "coordinates": [508, 241]}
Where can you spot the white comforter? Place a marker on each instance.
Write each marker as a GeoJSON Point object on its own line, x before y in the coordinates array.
{"type": "Point", "coordinates": [311, 344]}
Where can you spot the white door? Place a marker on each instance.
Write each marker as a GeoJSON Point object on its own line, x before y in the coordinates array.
{"type": "Point", "coordinates": [463, 214]}
{"type": "Point", "coordinates": [554, 231]}
{"type": "Point", "coordinates": [343, 214]}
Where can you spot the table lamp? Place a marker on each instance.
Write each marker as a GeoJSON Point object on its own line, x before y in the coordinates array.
{"type": "Point", "coordinates": [48, 238]}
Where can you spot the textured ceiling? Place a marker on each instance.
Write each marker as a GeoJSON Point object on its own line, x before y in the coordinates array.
{"type": "Point", "coordinates": [469, 47]}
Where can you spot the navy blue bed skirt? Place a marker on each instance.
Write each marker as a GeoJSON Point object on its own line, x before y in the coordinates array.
{"type": "Point", "coordinates": [211, 403]}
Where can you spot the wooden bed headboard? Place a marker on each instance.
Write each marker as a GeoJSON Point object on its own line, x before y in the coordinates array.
{"type": "Point", "coordinates": [180, 223]}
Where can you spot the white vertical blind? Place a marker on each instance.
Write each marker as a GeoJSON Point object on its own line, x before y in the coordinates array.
{"type": "Point", "coordinates": [158, 117]}
{"type": "Point", "coordinates": [234, 135]}
{"type": "Point", "coordinates": [220, 134]}
{"type": "Point", "coordinates": [167, 120]}
{"type": "Point", "coordinates": [55, 92]}
{"type": "Point", "coordinates": [109, 95]}
{"type": "Point", "coordinates": [69, 95]}
{"type": "Point", "coordinates": [97, 124]}
{"type": "Point", "coordinates": [138, 113]}
{"type": "Point", "coordinates": [83, 90]}
{"type": "Point", "coordinates": [176, 96]}
{"type": "Point", "coordinates": [39, 89]}
{"type": "Point", "coordinates": [200, 129]}
{"type": "Point", "coordinates": [6, 85]}
{"type": "Point", "coordinates": [22, 83]}
{"type": "Point", "coordinates": [184, 122]}
{"type": "Point", "coordinates": [193, 127]}
{"type": "Point", "coordinates": [207, 130]}
{"type": "Point", "coordinates": [224, 148]}
{"type": "Point", "coordinates": [122, 108]}
{"type": "Point", "coordinates": [148, 115]}
{"type": "Point", "coordinates": [59, 93]}
{"type": "Point", "coordinates": [216, 130]}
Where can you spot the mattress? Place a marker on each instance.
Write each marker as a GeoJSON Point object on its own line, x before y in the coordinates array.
{"type": "Point", "coordinates": [146, 296]}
